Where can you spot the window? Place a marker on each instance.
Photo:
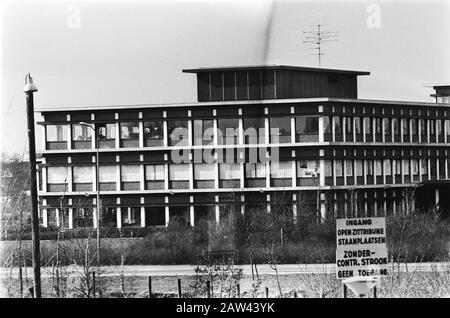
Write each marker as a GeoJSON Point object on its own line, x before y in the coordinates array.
{"type": "Point", "coordinates": [203, 132]}
{"type": "Point", "coordinates": [82, 178]}
{"type": "Point", "coordinates": [57, 179]}
{"type": "Point", "coordinates": [255, 170]}
{"type": "Point", "coordinates": [153, 133]}
{"type": "Point", "coordinates": [414, 127]}
{"type": "Point", "coordinates": [154, 177]}
{"type": "Point", "coordinates": [328, 168]}
{"type": "Point", "coordinates": [108, 177]}
{"type": "Point", "coordinates": [423, 128]}
{"type": "Point", "coordinates": [378, 125]}
{"type": "Point", "coordinates": [396, 167]}
{"type": "Point", "coordinates": [204, 171]}
{"type": "Point", "coordinates": [107, 135]}
{"type": "Point", "coordinates": [82, 217]}
{"type": "Point", "coordinates": [154, 172]}
{"type": "Point", "coordinates": [423, 166]}
{"type": "Point", "coordinates": [307, 169]}
{"type": "Point", "coordinates": [348, 125]}
{"type": "Point", "coordinates": [229, 175]}
{"type": "Point", "coordinates": [415, 166]}
{"type": "Point", "coordinates": [432, 127]}
{"type": "Point", "coordinates": [358, 125]}
{"type": "Point", "coordinates": [107, 131]}
{"type": "Point", "coordinates": [130, 177]}
{"type": "Point", "coordinates": [326, 125]}
{"type": "Point", "coordinates": [337, 125]}
{"type": "Point", "coordinates": [254, 130]}
{"type": "Point", "coordinates": [378, 168]}
{"type": "Point", "coordinates": [129, 134]}
{"type": "Point", "coordinates": [387, 126]}
{"type": "Point", "coordinates": [368, 125]}
{"type": "Point", "coordinates": [395, 126]}
{"type": "Point", "coordinates": [338, 167]}
{"type": "Point", "coordinates": [281, 170]}
{"type": "Point", "coordinates": [359, 168]}
{"type": "Point", "coordinates": [307, 128]}
{"type": "Point", "coordinates": [369, 165]}
{"type": "Point", "coordinates": [439, 130]}
{"type": "Point", "coordinates": [405, 126]}
{"type": "Point", "coordinates": [179, 176]}
{"type": "Point", "coordinates": [349, 167]}
{"type": "Point", "coordinates": [131, 216]}
{"type": "Point", "coordinates": [56, 133]}
{"type": "Point", "coordinates": [280, 129]}
{"type": "Point", "coordinates": [405, 165]}
{"type": "Point", "coordinates": [178, 132]}
{"type": "Point", "coordinates": [81, 133]}
{"type": "Point", "coordinates": [229, 171]}
{"type": "Point", "coordinates": [228, 131]}
{"type": "Point", "coordinates": [56, 136]}
{"type": "Point", "coordinates": [387, 167]}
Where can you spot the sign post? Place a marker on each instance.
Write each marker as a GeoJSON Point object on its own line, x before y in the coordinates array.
{"type": "Point", "coordinates": [361, 253]}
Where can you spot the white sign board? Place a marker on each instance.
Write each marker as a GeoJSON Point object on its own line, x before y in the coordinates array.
{"type": "Point", "coordinates": [361, 247]}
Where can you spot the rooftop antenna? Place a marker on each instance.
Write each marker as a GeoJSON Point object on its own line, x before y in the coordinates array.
{"type": "Point", "coordinates": [318, 38]}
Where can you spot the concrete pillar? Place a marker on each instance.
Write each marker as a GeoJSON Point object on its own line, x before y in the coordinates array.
{"type": "Point", "coordinates": [293, 129]}
{"type": "Point", "coordinates": [141, 134]}
{"type": "Point", "coordinates": [117, 141]}
{"type": "Point", "coordinates": [44, 218]}
{"type": "Point", "coordinates": [143, 216]}
{"type": "Point", "coordinates": [58, 219]}
{"type": "Point", "coordinates": [191, 215]}
{"type": "Point", "coordinates": [321, 130]}
{"type": "Point", "coordinates": [167, 214]}
{"type": "Point", "coordinates": [436, 196]}
{"type": "Point", "coordinates": [94, 217]}
{"type": "Point", "coordinates": [119, 217]}
{"type": "Point", "coordinates": [70, 218]}
{"type": "Point", "coordinates": [217, 213]}
{"type": "Point", "coordinates": [294, 208]}
{"type": "Point", "coordinates": [323, 209]}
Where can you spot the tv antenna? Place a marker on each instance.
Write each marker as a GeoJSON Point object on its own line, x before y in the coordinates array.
{"type": "Point", "coordinates": [318, 38]}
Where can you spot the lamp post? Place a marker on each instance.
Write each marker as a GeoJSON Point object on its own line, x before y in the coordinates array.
{"type": "Point", "coordinates": [29, 89]}
{"type": "Point", "coordinates": [97, 182]}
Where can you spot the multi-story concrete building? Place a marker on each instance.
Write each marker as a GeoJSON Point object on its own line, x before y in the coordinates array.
{"type": "Point", "coordinates": [318, 147]}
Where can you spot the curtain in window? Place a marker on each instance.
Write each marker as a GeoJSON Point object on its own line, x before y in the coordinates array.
{"type": "Point", "coordinates": [82, 174]}
{"type": "Point", "coordinates": [282, 169]}
{"type": "Point", "coordinates": [57, 175]}
{"type": "Point", "coordinates": [154, 172]}
{"type": "Point", "coordinates": [178, 172]}
{"type": "Point", "coordinates": [204, 171]}
{"type": "Point", "coordinates": [309, 169]}
{"type": "Point", "coordinates": [229, 171]}
{"type": "Point", "coordinates": [130, 173]}
{"type": "Point", "coordinates": [107, 174]}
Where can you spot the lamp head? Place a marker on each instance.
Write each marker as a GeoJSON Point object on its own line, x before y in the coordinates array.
{"type": "Point", "coordinates": [29, 86]}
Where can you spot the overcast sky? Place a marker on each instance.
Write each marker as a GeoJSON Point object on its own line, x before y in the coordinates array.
{"type": "Point", "coordinates": [113, 52]}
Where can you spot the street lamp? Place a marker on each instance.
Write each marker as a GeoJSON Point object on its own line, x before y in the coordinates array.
{"type": "Point", "coordinates": [97, 181]}
{"type": "Point", "coordinates": [29, 89]}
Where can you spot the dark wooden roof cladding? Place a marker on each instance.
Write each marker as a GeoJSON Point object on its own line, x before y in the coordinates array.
{"type": "Point", "coordinates": [276, 81]}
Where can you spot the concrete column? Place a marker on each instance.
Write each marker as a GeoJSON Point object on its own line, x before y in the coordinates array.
{"type": "Point", "coordinates": [294, 208]}
{"type": "Point", "coordinates": [58, 218]}
{"type": "Point", "coordinates": [344, 132]}
{"type": "Point", "coordinates": [141, 134]}
{"type": "Point", "coordinates": [165, 134]}
{"type": "Point", "coordinates": [117, 135]}
{"type": "Point", "coordinates": [44, 218]}
{"type": "Point", "coordinates": [322, 171]}
{"type": "Point", "coordinates": [143, 216]}
{"type": "Point", "coordinates": [241, 131]}
{"type": "Point", "coordinates": [94, 217]}
{"type": "Point", "coordinates": [436, 196]}
{"type": "Point", "coordinates": [323, 210]}
{"type": "Point", "coordinates": [166, 176]}
{"type": "Point", "coordinates": [215, 136]}
{"type": "Point", "coordinates": [294, 169]}
{"type": "Point", "coordinates": [191, 215]}
{"type": "Point", "coordinates": [242, 174]}
{"type": "Point", "coordinates": [119, 217]}
{"type": "Point", "coordinates": [333, 134]}
{"type": "Point", "coordinates": [44, 178]}
{"type": "Point", "coordinates": [217, 213]}
{"type": "Point", "coordinates": [428, 130]}
{"type": "Point", "coordinates": [167, 214]}
{"type": "Point", "coordinates": [119, 177]}
{"type": "Point", "coordinates": [293, 129]}
{"type": "Point", "coordinates": [267, 171]}
{"type": "Point", "coordinates": [267, 128]}
{"type": "Point", "coordinates": [70, 218]}
{"type": "Point", "coordinates": [190, 137]}
{"type": "Point", "coordinates": [69, 136]}
{"type": "Point", "coordinates": [191, 176]}
{"type": "Point", "coordinates": [243, 204]}
{"type": "Point", "coordinates": [321, 130]}
{"type": "Point", "coordinates": [69, 176]}
{"type": "Point", "coordinates": [363, 128]}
